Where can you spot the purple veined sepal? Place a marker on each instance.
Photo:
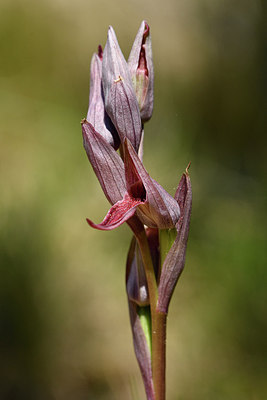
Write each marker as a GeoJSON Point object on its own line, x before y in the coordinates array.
{"type": "Point", "coordinates": [155, 207]}
{"type": "Point", "coordinates": [120, 99]}
{"type": "Point", "coordinates": [175, 260]}
{"type": "Point", "coordinates": [106, 163]}
{"type": "Point", "coordinates": [141, 69]}
{"type": "Point", "coordinates": [96, 115]}
{"type": "Point", "coordinates": [160, 209]}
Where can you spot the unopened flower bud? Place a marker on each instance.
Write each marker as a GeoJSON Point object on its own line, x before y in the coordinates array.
{"type": "Point", "coordinates": [97, 115]}
{"type": "Point", "coordinates": [120, 99]}
{"type": "Point", "coordinates": [141, 69]}
{"type": "Point", "coordinates": [136, 283]}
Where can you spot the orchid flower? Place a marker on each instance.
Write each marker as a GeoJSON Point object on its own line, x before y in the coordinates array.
{"type": "Point", "coordinates": [138, 191]}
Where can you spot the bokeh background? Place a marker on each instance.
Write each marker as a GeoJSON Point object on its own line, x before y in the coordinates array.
{"type": "Point", "coordinates": [64, 326]}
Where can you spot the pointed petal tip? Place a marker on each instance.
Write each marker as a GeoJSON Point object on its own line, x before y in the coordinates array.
{"type": "Point", "coordinates": [111, 36]}
{"type": "Point", "coordinates": [89, 222]}
{"type": "Point", "coordinates": [187, 168]}
{"type": "Point", "coordinates": [100, 226]}
{"type": "Point", "coordinates": [111, 31]}
{"type": "Point", "coordinates": [146, 29]}
{"type": "Point", "coordinates": [85, 126]}
{"type": "Point", "coordinates": [96, 66]}
{"type": "Point", "coordinates": [96, 226]}
{"type": "Point", "coordinates": [144, 25]}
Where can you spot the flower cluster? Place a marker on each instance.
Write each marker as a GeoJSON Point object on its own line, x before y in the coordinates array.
{"type": "Point", "coordinates": [120, 103]}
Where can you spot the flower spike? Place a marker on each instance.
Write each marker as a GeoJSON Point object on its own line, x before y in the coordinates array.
{"type": "Point", "coordinates": [120, 102]}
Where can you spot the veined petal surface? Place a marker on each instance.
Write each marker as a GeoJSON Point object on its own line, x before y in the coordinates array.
{"type": "Point", "coordinates": [118, 214]}
{"type": "Point", "coordinates": [106, 162]}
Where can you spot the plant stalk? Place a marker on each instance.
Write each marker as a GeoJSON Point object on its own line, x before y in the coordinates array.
{"type": "Point", "coordinates": [158, 319]}
{"type": "Point", "coordinates": [159, 354]}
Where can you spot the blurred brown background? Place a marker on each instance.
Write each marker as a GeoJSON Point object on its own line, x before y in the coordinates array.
{"type": "Point", "coordinates": [64, 326]}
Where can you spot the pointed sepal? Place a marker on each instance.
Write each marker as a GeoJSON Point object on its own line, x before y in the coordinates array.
{"type": "Point", "coordinates": [96, 114]}
{"type": "Point", "coordinates": [175, 259]}
{"type": "Point", "coordinates": [106, 162]}
{"type": "Point", "coordinates": [160, 210]}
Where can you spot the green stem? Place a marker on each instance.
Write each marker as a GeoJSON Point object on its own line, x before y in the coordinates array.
{"type": "Point", "coordinates": [158, 319]}
{"type": "Point", "coordinates": [159, 354]}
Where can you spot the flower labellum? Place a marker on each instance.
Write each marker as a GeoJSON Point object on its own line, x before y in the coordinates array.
{"type": "Point", "coordinates": [140, 64]}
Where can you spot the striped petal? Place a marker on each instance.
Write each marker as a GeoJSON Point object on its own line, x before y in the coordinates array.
{"type": "Point", "coordinates": [118, 214]}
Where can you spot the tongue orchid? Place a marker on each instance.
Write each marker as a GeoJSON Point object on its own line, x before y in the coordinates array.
{"type": "Point", "coordinates": [127, 186]}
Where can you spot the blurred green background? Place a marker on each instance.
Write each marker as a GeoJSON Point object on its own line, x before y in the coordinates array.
{"type": "Point", "coordinates": [64, 326]}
